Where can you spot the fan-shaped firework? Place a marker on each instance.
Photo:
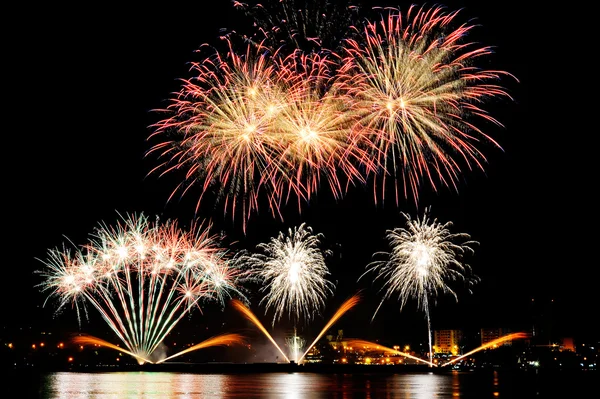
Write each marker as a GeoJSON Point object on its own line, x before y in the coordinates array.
{"type": "Point", "coordinates": [413, 84]}
{"type": "Point", "coordinates": [142, 278]}
{"type": "Point", "coordinates": [293, 272]}
{"type": "Point", "coordinates": [424, 257]}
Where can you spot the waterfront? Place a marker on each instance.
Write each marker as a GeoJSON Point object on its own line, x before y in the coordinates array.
{"type": "Point", "coordinates": [410, 385]}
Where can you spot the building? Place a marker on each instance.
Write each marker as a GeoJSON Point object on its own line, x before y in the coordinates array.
{"type": "Point", "coordinates": [489, 335]}
{"type": "Point", "coordinates": [447, 342]}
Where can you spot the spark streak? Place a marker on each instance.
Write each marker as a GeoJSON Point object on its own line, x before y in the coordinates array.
{"type": "Point", "coordinates": [219, 340]}
{"type": "Point", "coordinates": [367, 345]}
{"type": "Point", "coordinates": [347, 305]}
{"type": "Point", "coordinates": [250, 316]}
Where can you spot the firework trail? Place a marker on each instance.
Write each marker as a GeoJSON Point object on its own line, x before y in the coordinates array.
{"type": "Point", "coordinates": [240, 306]}
{"type": "Point", "coordinates": [412, 80]}
{"type": "Point", "coordinates": [492, 344]}
{"type": "Point", "coordinates": [424, 256]}
{"type": "Point", "coordinates": [291, 268]}
{"type": "Point", "coordinates": [142, 278]}
{"type": "Point", "coordinates": [346, 306]}
{"type": "Point", "coordinates": [219, 340]}
{"type": "Point", "coordinates": [91, 340]}
{"type": "Point", "coordinates": [372, 346]}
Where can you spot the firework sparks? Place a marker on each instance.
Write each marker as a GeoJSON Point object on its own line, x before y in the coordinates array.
{"type": "Point", "coordinates": [292, 268]}
{"type": "Point", "coordinates": [142, 278]}
{"type": "Point", "coordinates": [259, 123]}
{"type": "Point", "coordinates": [310, 26]}
{"type": "Point", "coordinates": [296, 345]}
{"type": "Point", "coordinates": [397, 100]}
{"type": "Point", "coordinates": [424, 256]}
{"type": "Point", "coordinates": [315, 129]}
{"type": "Point", "coordinates": [218, 129]}
{"type": "Point", "coordinates": [412, 81]}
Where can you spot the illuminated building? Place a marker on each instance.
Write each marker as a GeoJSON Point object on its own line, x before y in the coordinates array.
{"type": "Point", "coordinates": [447, 341]}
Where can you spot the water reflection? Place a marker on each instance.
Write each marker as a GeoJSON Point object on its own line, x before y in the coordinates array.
{"type": "Point", "coordinates": [293, 385]}
{"type": "Point", "coordinates": [129, 385]}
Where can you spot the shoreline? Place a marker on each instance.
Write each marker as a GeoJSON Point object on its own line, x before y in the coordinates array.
{"type": "Point", "coordinates": [257, 368]}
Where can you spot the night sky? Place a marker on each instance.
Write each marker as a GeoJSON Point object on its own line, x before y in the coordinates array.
{"type": "Point", "coordinates": [82, 84]}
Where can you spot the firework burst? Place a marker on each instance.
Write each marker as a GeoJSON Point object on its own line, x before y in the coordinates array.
{"type": "Point", "coordinates": [142, 278]}
{"type": "Point", "coordinates": [260, 123]}
{"type": "Point", "coordinates": [293, 272]}
{"type": "Point", "coordinates": [424, 256]}
{"type": "Point", "coordinates": [398, 100]}
{"type": "Point", "coordinates": [412, 81]}
{"type": "Point", "coordinates": [217, 131]}
{"type": "Point", "coordinates": [315, 129]}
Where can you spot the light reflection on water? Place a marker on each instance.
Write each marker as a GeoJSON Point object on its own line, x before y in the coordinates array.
{"type": "Point", "coordinates": [293, 385]}
{"type": "Point", "coordinates": [129, 385]}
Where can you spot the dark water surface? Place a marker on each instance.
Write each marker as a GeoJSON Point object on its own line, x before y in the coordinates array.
{"type": "Point", "coordinates": [184, 385]}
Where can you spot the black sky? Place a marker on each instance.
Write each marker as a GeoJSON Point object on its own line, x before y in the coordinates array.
{"type": "Point", "coordinates": [82, 83]}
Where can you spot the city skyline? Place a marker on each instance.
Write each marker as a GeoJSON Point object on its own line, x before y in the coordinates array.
{"type": "Point", "coordinates": [84, 113]}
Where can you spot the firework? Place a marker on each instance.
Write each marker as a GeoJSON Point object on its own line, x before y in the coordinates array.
{"type": "Point", "coordinates": [295, 345]}
{"type": "Point", "coordinates": [397, 98]}
{"type": "Point", "coordinates": [219, 340]}
{"type": "Point", "coordinates": [245, 310]}
{"type": "Point", "coordinates": [217, 128]}
{"type": "Point", "coordinates": [256, 123]}
{"type": "Point", "coordinates": [142, 278]}
{"type": "Point", "coordinates": [492, 344]}
{"type": "Point", "coordinates": [346, 306]}
{"type": "Point", "coordinates": [412, 81]}
{"type": "Point", "coordinates": [315, 129]}
{"type": "Point", "coordinates": [293, 272]}
{"type": "Point", "coordinates": [424, 256]}
{"type": "Point", "coordinates": [310, 26]}
{"type": "Point", "coordinates": [368, 346]}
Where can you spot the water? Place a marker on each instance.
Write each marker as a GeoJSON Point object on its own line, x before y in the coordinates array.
{"type": "Point", "coordinates": [299, 385]}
